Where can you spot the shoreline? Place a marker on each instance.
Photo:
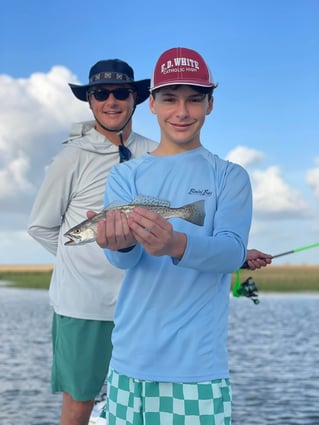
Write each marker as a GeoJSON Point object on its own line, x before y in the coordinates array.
{"type": "Point", "coordinates": [26, 267]}
{"type": "Point", "coordinates": [49, 267]}
{"type": "Point", "coordinates": [278, 277]}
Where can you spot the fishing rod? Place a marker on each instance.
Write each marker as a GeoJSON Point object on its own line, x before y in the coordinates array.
{"type": "Point", "coordinates": [248, 288]}
{"type": "Point", "coordinates": [303, 248]}
{"type": "Point", "coordinates": [293, 251]}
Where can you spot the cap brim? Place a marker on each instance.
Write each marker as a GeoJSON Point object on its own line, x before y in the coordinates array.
{"type": "Point", "coordinates": [183, 83]}
{"type": "Point", "coordinates": [142, 89]}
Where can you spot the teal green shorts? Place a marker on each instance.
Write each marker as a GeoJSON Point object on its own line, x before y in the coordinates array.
{"type": "Point", "coordinates": [81, 354]}
{"type": "Point", "coordinates": [134, 402]}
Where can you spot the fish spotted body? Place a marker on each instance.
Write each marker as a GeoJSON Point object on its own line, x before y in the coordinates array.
{"type": "Point", "coordinates": [85, 232]}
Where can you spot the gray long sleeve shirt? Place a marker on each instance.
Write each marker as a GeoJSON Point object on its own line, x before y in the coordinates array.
{"type": "Point", "coordinates": [84, 284]}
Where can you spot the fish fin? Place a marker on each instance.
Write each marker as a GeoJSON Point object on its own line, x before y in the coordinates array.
{"type": "Point", "coordinates": [198, 212]}
{"type": "Point", "coordinates": [150, 200]}
{"type": "Point", "coordinates": [114, 205]}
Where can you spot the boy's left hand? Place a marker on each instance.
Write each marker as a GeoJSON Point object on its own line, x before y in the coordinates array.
{"type": "Point", "coordinates": [156, 234]}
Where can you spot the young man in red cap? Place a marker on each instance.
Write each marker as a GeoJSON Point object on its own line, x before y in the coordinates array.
{"type": "Point", "coordinates": [169, 363]}
{"type": "Point", "coordinates": [84, 287]}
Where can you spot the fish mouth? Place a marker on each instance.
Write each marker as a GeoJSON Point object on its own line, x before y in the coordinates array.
{"type": "Point", "coordinates": [72, 240]}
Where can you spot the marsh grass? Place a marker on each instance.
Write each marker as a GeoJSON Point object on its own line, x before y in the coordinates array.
{"type": "Point", "coordinates": [274, 278]}
{"type": "Point", "coordinates": [287, 278]}
{"type": "Point", "coordinates": [27, 278]}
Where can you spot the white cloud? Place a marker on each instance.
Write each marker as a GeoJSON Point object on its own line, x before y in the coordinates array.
{"type": "Point", "coordinates": [273, 197]}
{"type": "Point", "coordinates": [13, 176]}
{"type": "Point", "coordinates": [17, 247]}
{"type": "Point", "coordinates": [312, 178]}
{"type": "Point", "coordinates": [245, 156]}
{"type": "Point", "coordinates": [35, 116]}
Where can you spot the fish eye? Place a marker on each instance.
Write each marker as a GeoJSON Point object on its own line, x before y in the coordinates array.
{"type": "Point", "coordinates": [77, 231]}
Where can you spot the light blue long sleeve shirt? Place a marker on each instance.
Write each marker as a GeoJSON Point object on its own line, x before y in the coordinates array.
{"type": "Point", "coordinates": [171, 316]}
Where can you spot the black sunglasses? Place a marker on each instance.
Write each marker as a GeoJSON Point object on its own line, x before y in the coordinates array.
{"type": "Point", "coordinates": [125, 153]}
{"type": "Point", "coordinates": [119, 94]}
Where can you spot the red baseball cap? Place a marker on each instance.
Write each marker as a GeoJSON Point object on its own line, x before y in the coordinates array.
{"type": "Point", "coordinates": [181, 66]}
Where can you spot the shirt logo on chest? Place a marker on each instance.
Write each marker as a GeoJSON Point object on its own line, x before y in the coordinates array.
{"type": "Point", "coordinates": [202, 192]}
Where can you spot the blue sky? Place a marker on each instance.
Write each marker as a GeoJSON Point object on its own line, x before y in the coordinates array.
{"type": "Point", "coordinates": [263, 54]}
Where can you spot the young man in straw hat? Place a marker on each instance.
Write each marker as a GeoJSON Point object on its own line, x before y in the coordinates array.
{"type": "Point", "coordinates": [169, 364]}
{"type": "Point", "coordinates": [84, 287]}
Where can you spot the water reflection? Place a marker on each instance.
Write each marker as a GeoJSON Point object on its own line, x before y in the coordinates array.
{"type": "Point", "coordinates": [25, 359]}
{"type": "Point", "coordinates": [274, 351]}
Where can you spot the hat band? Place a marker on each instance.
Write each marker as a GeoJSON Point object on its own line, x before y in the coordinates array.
{"type": "Point", "coordinates": [110, 76]}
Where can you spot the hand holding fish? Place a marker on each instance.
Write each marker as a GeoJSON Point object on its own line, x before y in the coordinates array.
{"type": "Point", "coordinates": [156, 234]}
{"type": "Point", "coordinates": [113, 232]}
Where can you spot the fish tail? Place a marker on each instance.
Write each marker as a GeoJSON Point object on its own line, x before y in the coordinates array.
{"type": "Point", "coordinates": [197, 212]}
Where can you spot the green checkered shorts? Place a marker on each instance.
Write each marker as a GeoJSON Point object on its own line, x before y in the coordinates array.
{"type": "Point", "coordinates": [134, 402]}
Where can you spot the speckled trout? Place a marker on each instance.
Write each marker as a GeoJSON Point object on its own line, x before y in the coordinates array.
{"type": "Point", "coordinates": [85, 232]}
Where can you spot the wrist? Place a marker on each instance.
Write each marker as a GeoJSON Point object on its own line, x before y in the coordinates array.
{"type": "Point", "coordinates": [178, 246]}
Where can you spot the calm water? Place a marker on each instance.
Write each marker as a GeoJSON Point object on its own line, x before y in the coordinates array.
{"type": "Point", "coordinates": [274, 355]}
